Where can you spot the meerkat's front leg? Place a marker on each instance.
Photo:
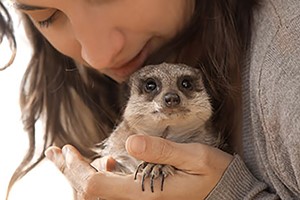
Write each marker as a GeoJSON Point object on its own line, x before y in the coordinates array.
{"type": "Point", "coordinates": [153, 171]}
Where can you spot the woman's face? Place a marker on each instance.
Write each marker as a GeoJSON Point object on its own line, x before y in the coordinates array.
{"type": "Point", "coordinates": [113, 36]}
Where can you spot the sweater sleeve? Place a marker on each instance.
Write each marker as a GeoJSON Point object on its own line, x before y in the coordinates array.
{"type": "Point", "coordinates": [273, 134]}
{"type": "Point", "coordinates": [238, 183]}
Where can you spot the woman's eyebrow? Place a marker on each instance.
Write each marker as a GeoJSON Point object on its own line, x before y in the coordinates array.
{"type": "Point", "coordinates": [21, 6]}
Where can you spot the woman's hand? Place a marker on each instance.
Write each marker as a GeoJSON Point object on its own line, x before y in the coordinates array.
{"type": "Point", "coordinates": [201, 168]}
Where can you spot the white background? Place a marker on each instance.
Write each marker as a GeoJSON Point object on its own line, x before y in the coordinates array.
{"type": "Point", "coordinates": [45, 181]}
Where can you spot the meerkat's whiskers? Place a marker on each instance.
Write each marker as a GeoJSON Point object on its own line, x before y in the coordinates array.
{"type": "Point", "coordinates": [166, 100]}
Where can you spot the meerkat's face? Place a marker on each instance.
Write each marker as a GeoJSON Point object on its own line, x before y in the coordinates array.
{"type": "Point", "coordinates": [169, 94]}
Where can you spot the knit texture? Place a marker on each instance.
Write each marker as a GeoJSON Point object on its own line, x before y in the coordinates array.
{"type": "Point", "coordinates": [270, 168]}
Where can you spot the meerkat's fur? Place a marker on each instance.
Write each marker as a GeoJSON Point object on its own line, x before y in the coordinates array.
{"type": "Point", "coordinates": [168, 101]}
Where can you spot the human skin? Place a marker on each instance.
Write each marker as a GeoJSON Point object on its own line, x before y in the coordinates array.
{"type": "Point", "coordinates": [201, 167]}
{"type": "Point", "coordinates": [115, 37]}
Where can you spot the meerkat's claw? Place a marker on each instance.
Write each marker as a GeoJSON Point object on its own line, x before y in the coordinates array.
{"type": "Point", "coordinates": [154, 171]}
{"type": "Point", "coordinates": [143, 182]}
{"type": "Point", "coordinates": [162, 182]}
{"type": "Point", "coordinates": [152, 183]}
{"type": "Point", "coordinates": [166, 170]}
{"type": "Point", "coordinates": [139, 168]}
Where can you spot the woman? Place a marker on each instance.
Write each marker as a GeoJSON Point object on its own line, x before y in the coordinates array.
{"type": "Point", "coordinates": [247, 50]}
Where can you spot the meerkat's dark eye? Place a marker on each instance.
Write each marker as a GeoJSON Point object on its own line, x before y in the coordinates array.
{"type": "Point", "coordinates": [187, 84]}
{"type": "Point", "coordinates": [150, 85]}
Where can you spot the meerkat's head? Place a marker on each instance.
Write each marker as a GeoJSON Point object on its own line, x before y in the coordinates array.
{"type": "Point", "coordinates": [169, 94]}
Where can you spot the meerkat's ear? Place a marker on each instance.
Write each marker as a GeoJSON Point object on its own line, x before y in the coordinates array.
{"type": "Point", "coordinates": [129, 82]}
{"type": "Point", "coordinates": [125, 92]}
{"type": "Point", "coordinates": [134, 77]}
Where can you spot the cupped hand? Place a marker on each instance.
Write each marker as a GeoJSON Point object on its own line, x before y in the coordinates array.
{"type": "Point", "coordinates": [200, 169]}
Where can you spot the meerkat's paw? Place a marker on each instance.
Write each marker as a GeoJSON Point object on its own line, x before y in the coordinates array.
{"type": "Point", "coordinates": [153, 171]}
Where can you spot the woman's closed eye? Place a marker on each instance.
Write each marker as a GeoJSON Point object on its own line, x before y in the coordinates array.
{"type": "Point", "coordinates": [42, 16]}
{"type": "Point", "coordinates": [48, 21]}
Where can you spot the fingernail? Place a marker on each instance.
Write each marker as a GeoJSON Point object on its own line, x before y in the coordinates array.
{"type": "Point", "coordinates": [65, 150]}
{"type": "Point", "coordinates": [50, 154]}
{"type": "Point", "coordinates": [136, 144]}
{"type": "Point", "coordinates": [68, 156]}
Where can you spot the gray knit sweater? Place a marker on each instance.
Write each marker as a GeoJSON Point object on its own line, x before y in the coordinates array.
{"type": "Point", "coordinates": [270, 167]}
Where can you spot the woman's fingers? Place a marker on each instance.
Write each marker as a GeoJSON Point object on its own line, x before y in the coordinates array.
{"type": "Point", "coordinates": [106, 163]}
{"type": "Point", "coordinates": [72, 165]}
{"type": "Point", "coordinates": [193, 158]}
{"type": "Point", "coordinates": [91, 185]}
{"type": "Point", "coordinates": [53, 154]}
{"type": "Point", "coordinates": [88, 183]}
{"type": "Point", "coordinates": [181, 186]}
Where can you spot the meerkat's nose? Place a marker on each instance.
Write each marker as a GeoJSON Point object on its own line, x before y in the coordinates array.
{"type": "Point", "coordinates": [171, 99]}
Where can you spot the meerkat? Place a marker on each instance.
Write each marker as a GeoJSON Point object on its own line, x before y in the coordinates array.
{"type": "Point", "coordinates": [168, 101]}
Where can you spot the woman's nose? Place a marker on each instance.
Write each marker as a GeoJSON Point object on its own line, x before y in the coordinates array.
{"type": "Point", "coordinates": [100, 40]}
{"type": "Point", "coordinates": [101, 50]}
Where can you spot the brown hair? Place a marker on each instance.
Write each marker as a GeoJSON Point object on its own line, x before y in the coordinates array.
{"type": "Point", "coordinates": [77, 105]}
{"type": "Point", "coordinates": [6, 30]}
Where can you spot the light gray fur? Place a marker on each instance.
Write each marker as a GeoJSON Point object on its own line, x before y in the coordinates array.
{"type": "Point", "coordinates": [188, 123]}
